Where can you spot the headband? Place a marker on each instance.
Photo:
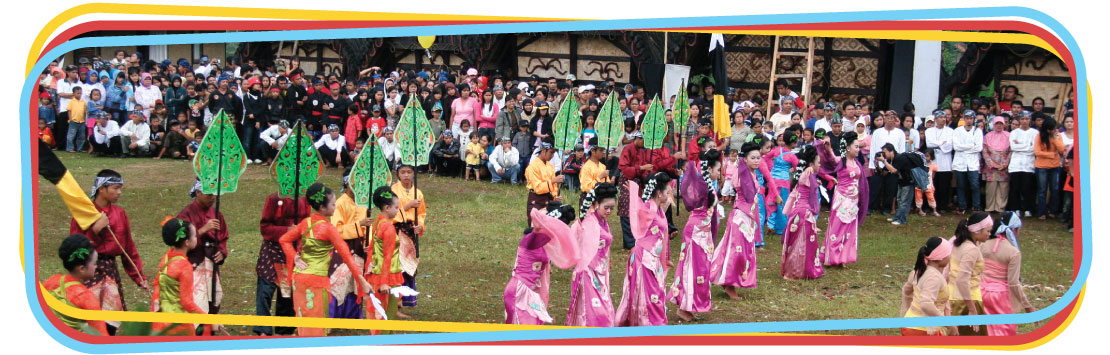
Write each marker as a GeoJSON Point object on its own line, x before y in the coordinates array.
{"type": "Point", "coordinates": [545, 146]}
{"type": "Point", "coordinates": [941, 252]}
{"type": "Point", "coordinates": [981, 225]}
{"type": "Point", "coordinates": [103, 182]}
{"type": "Point", "coordinates": [196, 188]}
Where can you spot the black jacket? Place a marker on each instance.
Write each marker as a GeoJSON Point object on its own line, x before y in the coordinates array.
{"type": "Point", "coordinates": [442, 148]}
{"type": "Point", "coordinates": [254, 105]}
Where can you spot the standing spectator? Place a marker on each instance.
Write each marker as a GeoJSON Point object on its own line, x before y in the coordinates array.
{"type": "Point", "coordinates": [174, 97]}
{"type": "Point", "coordinates": [146, 94]}
{"type": "Point", "coordinates": [573, 166]}
{"type": "Point", "coordinates": [157, 135]}
{"type": "Point", "coordinates": [504, 162]}
{"type": "Point", "coordinates": [522, 141]}
{"type": "Point", "coordinates": [487, 116]}
{"type": "Point", "coordinates": [913, 137]}
{"type": "Point", "coordinates": [968, 143]}
{"type": "Point", "coordinates": [780, 120]}
{"type": "Point", "coordinates": [940, 139]}
{"type": "Point", "coordinates": [135, 136]}
{"type": "Point", "coordinates": [1050, 151]}
{"type": "Point", "coordinates": [254, 106]}
{"type": "Point", "coordinates": [507, 119]}
{"type": "Point", "coordinates": [76, 112]}
{"type": "Point", "coordinates": [884, 185]}
{"type": "Point", "coordinates": [105, 138]}
{"type": "Point", "coordinates": [473, 159]}
{"type": "Point", "coordinates": [996, 156]}
{"type": "Point", "coordinates": [464, 108]}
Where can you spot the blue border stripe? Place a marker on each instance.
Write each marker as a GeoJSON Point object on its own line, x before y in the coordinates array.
{"type": "Point", "coordinates": [687, 329]}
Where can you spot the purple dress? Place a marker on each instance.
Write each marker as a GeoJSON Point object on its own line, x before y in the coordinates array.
{"type": "Point", "coordinates": [526, 292]}
{"type": "Point", "coordinates": [734, 261]}
{"type": "Point", "coordinates": [849, 204]}
{"type": "Point", "coordinates": [590, 303]}
{"type": "Point", "coordinates": [690, 290]}
{"type": "Point", "coordinates": [799, 252]}
{"type": "Point", "coordinates": [642, 300]}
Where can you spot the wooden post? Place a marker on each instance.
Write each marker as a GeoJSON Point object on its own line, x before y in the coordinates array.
{"type": "Point", "coordinates": [771, 86]}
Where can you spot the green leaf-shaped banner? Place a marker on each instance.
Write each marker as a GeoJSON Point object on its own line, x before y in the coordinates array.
{"type": "Point", "coordinates": [290, 172]}
{"type": "Point", "coordinates": [370, 166]}
{"type": "Point", "coordinates": [681, 109]}
{"type": "Point", "coordinates": [414, 136]}
{"type": "Point", "coordinates": [654, 126]}
{"type": "Point", "coordinates": [221, 160]}
{"type": "Point", "coordinates": [568, 124]}
{"type": "Point", "coordinates": [610, 123]}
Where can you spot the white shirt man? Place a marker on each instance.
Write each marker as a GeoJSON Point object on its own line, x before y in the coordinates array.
{"type": "Point", "coordinates": [823, 122]}
{"type": "Point", "coordinates": [388, 145]}
{"type": "Point", "coordinates": [1022, 141]}
{"type": "Point", "coordinates": [65, 87]}
{"type": "Point", "coordinates": [141, 133]}
{"type": "Point", "coordinates": [940, 138]}
{"type": "Point", "coordinates": [504, 160]}
{"type": "Point", "coordinates": [781, 119]}
{"type": "Point", "coordinates": [273, 134]}
{"type": "Point", "coordinates": [337, 143]}
{"type": "Point", "coordinates": [888, 134]}
{"type": "Point", "coordinates": [103, 133]}
{"type": "Point", "coordinates": [968, 143]}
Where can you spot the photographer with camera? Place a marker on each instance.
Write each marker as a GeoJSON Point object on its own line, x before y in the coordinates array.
{"type": "Point", "coordinates": [910, 170]}
{"type": "Point", "coordinates": [884, 185]}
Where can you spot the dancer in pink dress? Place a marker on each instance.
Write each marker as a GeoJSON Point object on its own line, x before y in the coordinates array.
{"type": "Point", "coordinates": [642, 300]}
{"type": "Point", "coordinates": [849, 203]}
{"type": "Point", "coordinates": [1001, 286]}
{"type": "Point", "coordinates": [549, 240]}
{"type": "Point", "coordinates": [734, 261]}
{"type": "Point", "coordinates": [799, 251]}
{"type": "Point", "coordinates": [590, 303]}
{"type": "Point", "coordinates": [690, 290]}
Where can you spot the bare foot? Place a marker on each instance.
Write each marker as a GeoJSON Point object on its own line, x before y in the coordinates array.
{"type": "Point", "coordinates": [403, 316]}
{"type": "Point", "coordinates": [935, 213]}
{"type": "Point", "coordinates": [731, 291]}
{"type": "Point", "coordinates": [686, 316]}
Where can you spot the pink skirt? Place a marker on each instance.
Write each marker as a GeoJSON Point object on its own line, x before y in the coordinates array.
{"type": "Point", "coordinates": [996, 300]}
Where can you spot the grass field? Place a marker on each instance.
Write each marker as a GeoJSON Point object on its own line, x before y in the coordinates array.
{"type": "Point", "coordinates": [473, 231]}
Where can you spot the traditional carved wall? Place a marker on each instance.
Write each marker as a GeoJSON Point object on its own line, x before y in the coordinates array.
{"type": "Point", "coordinates": [853, 70]}
{"type": "Point", "coordinates": [315, 57]}
{"type": "Point", "coordinates": [1039, 74]}
{"type": "Point", "coordinates": [550, 56]}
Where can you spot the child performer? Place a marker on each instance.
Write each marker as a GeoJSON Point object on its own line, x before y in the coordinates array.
{"type": "Point", "coordinates": [172, 288]}
{"type": "Point", "coordinates": [783, 162]}
{"type": "Point", "coordinates": [734, 260]}
{"type": "Point", "coordinates": [965, 274]}
{"type": "Point", "coordinates": [383, 265]}
{"type": "Point", "coordinates": [925, 293]}
{"type": "Point", "coordinates": [110, 242]}
{"type": "Point", "coordinates": [310, 276]}
{"type": "Point", "coordinates": [590, 303]}
{"type": "Point", "coordinates": [849, 203]}
{"type": "Point", "coordinates": [278, 215]}
{"type": "Point", "coordinates": [690, 290]}
{"type": "Point", "coordinates": [799, 249]}
{"type": "Point", "coordinates": [79, 258]}
{"type": "Point", "coordinates": [410, 200]}
{"type": "Point", "coordinates": [352, 222]}
{"type": "Point", "coordinates": [548, 240]}
{"type": "Point", "coordinates": [543, 184]}
{"type": "Point", "coordinates": [1001, 286]}
{"type": "Point", "coordinates": [211, 250]}
{"type": "Point", "coordinates": [766, 192]}
{"type": "Point", "coordinates": [642, 301]}
{"type": "Point", "coordinates": [593, 171]}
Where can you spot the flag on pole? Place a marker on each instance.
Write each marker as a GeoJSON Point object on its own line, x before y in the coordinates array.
{"type": "Point", "coordinates": [74, 197]}
{"type": "Point", "coordinates": [722, 123]}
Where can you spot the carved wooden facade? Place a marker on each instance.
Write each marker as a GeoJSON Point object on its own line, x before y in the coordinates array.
{"type": "Point", "coordinates": [843, 67]}
{"type": "Point", "coordinates": [591, 58]}
{"type": "Point", "coordinates": [1038, 74]}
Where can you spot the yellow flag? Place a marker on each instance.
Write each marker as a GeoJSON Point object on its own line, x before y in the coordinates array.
{"type": "Point", "coordinates": [722, 124]}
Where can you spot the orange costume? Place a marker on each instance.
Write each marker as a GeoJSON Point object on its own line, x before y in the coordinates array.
{"type": "Point", "coordinates": [175, 274]}
{"type": "Point", "coordinates": [72, 292]}
{"type": "Point", "coordinates": [310, 284]}
{"type": "Point", "coordinates": [383, 264]}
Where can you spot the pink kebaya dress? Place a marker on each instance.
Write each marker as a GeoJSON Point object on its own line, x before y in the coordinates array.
{"type": "Point", "coordinates": [526, 293]}
{"type": "Point", "coordinates": [799, 251]}
{"type": "Point", "coordinates": [690, 290]}
{"type": "Point", "coordinates": [849, 205]}
{"type": "Point", "coordinates": [590, 303]}
{"type": "Point", "coordinates": [734, 260]}
{"type": "Point", "coordinates": [642, 300]}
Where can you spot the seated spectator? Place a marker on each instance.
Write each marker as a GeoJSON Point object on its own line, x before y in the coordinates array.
{"type": "Point", "coordinates": [388, 145]}
{"type": "Point", "coordinates": [175, 143]}
{"type": "Point", "coordinates": [272, 138]}
{"type": "Point", "coordinates": [194, 145]}
{"type": "Point", "coordinates": [331, 147]}
{"type": "Point", "coordinates": [157, 135]}
{"type": "Point", "coordinates": [46, 135]}
{"type": "Point", "coordinates": [446, 152]}
{"type": "Point", "coordinates": [105, 138]}
{"type": "Point", "coordinates": [573, 166]}
{"type": "Point", "coordinates": [135, 135]}
{"type": "Point", "coordinates": [504, 162]}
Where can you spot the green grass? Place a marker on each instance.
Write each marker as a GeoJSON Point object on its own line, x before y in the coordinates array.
{"type": "Point", "coordinates": [473, 230]}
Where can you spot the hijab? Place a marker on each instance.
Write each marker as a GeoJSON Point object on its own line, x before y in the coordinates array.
{"type": "Point", "coordinates": [143, 77]}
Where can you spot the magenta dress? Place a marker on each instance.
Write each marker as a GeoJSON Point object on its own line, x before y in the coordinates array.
{"type": "Point", "coordinates": [799, 252]}
{"type": "Point", "coordinates": [734, 261]}
{"type": "Point", "coordinates": [849, 203]}
{"type": "Point", "coordinates": [526, 293]}
{"type": "Point", "coordinates": [690, 290]}
{"type": "Point", "coordinates": [590, 303]}
{"type": "Point", "coordinates": [642, 300]}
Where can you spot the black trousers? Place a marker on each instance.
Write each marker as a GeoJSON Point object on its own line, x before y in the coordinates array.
{"type": "Point", "coordinates": [111, 147]}
{"type": "Point", "coordinates": [268, 291]}
{"type": "Point", "coordinates": [1023, 192]}
{"type": "Point", "coordinates": [61, 126]}
{"type": "Point", "coordinates": [450, 167]}
{"type": "Point", "coordinates": [328, 155]}
{"type": "Point", "coordinates": [942, 181]}
{"type": "Point", "coordinates": [884, 190]}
